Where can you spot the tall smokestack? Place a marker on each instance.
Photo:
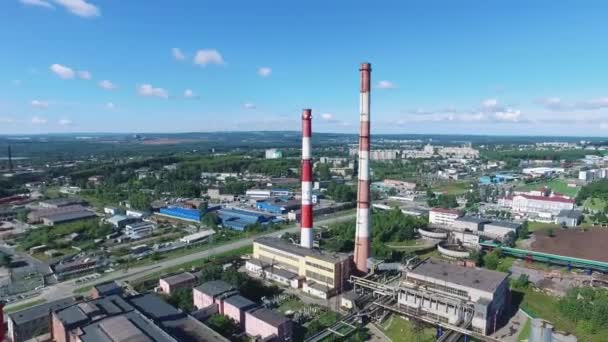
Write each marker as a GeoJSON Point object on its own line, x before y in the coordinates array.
{"type": "Point", "coordinates": [10, 159]}
{"type": "Point", "coordinates": [363, 231]}
{"type": "Point", "coordinates": [306, 237]}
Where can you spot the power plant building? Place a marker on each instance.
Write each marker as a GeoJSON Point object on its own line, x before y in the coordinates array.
{"type": "Point", "coordinates": [324, 274]}
{"type": "Point", "coordinates": [456, 294]}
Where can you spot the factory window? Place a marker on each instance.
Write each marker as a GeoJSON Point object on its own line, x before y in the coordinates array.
{"type": "Point", "coordinates": [319, 277]}
{"type": "Point", "coordinates": [312, 264]}
{"type": "Point", "coordinates": [281, 254]}
{"type": "Point", "coordinates": [443, 288]}
{"type": "Point", "coordinates": [273, 261]}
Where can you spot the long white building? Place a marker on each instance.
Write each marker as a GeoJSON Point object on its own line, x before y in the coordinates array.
{"type": "Point", "coordinates": [444, 217]}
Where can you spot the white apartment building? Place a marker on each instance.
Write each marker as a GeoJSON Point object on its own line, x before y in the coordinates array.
{"type": "Point", "coordinates": [273, 153]}
{"type": "Point", "coordinates": [443, 217]}
{"type": "Point", "coordinates": [542, 206]}
{"type": "Point", "coordinates": [139, 230]}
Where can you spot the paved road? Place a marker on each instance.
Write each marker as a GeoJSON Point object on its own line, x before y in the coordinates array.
{"type": "Point", "coordinates": [66, 288]}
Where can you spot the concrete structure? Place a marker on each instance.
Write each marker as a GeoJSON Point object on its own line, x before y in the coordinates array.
{"type": "Point", "coordinates": [569, 218]}
{"type": "Point", "coordinates": [176, 282]}
{"type": "Point", "coordinates": [453, 251]}
{"type": "Point", "coordinates": [121, 221]}
{"type": "Point", "coordinates": [139, 230]}
{"type": "Point", "coordinates": [469, 223]}
{"type": "Point", "coordinates": [277, 206]}
{"type": "Point", "coordinates": [236, 307]}
{"type": "Point", "coordinates": [212, 292]}
{"type": "Point", "coordinates": [106, 289]}
{"type": "Point", "coordinates": [443, 217]}
{"type": "Point", "coordinates": [112, 210]}
{"type": "Point", "coordinates": [71, 268]}
{"type": "Point", "coordinates": [542, 171]}
{"type": "Point", "coordinates": [59, 202]}
{"type": "Point", "coordinates": [28, 323]}
{"type": "Point", "coordinates": [500, 229]}
{"type": "Point", "coordinates": [433, 234]}
{"type": "Point", "coordinates": [268, 271]}
{"type": "Point", "coordinates": [542, 331]}
{"type": "Point", "coordinates": [322, 271]}
{"type": "Point", "coordinates": [135, 318]}
{"type": "Point", "coordinates": [363, 221]}
{"type": "Point", "coordinates": [455, 294]}
{"type": "Point", "coordinates": [258, 193]}
{"type": "Point", "coordinates": [268, 325]}
{"type": "Point", "coordinates": [466, 152]}
{"type": "Point", "coordinates": [306, 223]}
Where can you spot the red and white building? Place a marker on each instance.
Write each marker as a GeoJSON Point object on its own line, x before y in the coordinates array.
{"type": "Point", "coordinates": [444, 217]}
{"type": "Point", "coordinates": [538, 208]}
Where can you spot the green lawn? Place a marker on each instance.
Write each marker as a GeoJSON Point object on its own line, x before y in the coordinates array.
{"type": "Point", "coordinates": [546, 307]}
{"type": "Point", "coordinates": [540, 226]}
{"type": "Point", "coordinates": [524, 335]}
{"type": "Point", "coordinates": [557, 185]}
{"type": "Point", "coordinates": [399, 329]}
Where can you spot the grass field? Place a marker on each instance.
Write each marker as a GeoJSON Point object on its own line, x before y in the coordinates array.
{"type": "Point", "coordinates": [401, 330]}
{"type": "Point", "coordinates": [293, 304]}
{"type": "Point", "coordinates": [544, 306]}
{"type": "Point", "coordinates": [557, 185]}
{"type": "Point", "coordinates": [541, 226]}
{"type": "Point", "coordinates": [453, 188]}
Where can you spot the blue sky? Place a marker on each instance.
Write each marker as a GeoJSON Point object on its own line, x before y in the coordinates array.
{"type": "Point", "coordinates": [470, 67]}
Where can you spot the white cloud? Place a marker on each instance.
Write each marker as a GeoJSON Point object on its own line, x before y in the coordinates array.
{"type": "Point", "coordinates": [64, 122]}
{"type": "Point", "coordinates": [604, 125]}
{"type": "Point", "coordinates": [38, 3]}
{"type": "Point", "coordinates": [327, 116]}
{"type": "Point", "coordinates": [386, 85]}
{"type": "Point", "coordinates": [80, 8]}
{"type": "Point", "coordinates": [36, 120]}
{"type": "Point", "coordinates": [178, 54]}
{"type": "Point", "coordinates": [211, 56]}
{"type": "Point", "coordinates": [107, 85]}
{"type": "Point", "coordinates": [188, 93]}
{"type": "Point", "coordinates": [264, 71]}
{"type": "Point", "coordinates": [595, 104]}
{"type": "Point", "coordinates": [509, 114]}
{"type": "Point", "coordinates": [5, 120]}
{"type": "Point", "coordinates": [62, 71]}
{"type": "Point", "coordinates": [110, 105]}
{"type": "Point", "coordinates": [149, 90]}
{"type": "Point", "coordinates": [39, 104]}
{"type": "Point", "coordinates": [85, 75]}
{"type": "Point", "coordinates": [249, 105]}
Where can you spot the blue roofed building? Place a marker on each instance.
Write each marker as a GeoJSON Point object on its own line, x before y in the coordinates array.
{"type": "Point", "coordinates": [186, 214]}
{"type": "Point", "coordinates": [277, 206]}
{"type": "Point", "coordinates": [238, 219]}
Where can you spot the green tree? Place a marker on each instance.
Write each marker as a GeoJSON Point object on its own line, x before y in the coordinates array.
{"type": "Point", "coordinates": [523, 232]}
{"type": "Point", "coordinates": [211, 220]}
{"type": "Point", "coordinates": [550, 232]}
{"type": "Point", "coordinates": [224, 325]}
{"type": "Point", "coordinates": [182, 299]}
{"type": "Point", "coordinates": [492, 260]}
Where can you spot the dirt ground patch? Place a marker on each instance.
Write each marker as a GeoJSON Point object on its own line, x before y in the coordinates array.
{"type": "Point", "coordinates": [591, 244]}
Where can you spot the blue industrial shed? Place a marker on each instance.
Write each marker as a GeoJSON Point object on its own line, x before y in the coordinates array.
{"type": "Point", "coordinates": [237, 219]}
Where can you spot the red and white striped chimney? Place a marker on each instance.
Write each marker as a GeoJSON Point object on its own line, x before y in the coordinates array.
{"type": "Point", "coordinates": [306, 233]}
{"type": "Point", "coordinates": [363, 230]}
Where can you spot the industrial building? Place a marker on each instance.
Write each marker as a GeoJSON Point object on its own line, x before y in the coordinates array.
{"type": "Point", "coordinates": [324, 273]}
{"type": "Point", "coordinates": [569, 218]}
{"type": "Point", "coordinates": [469, 223]}
{"type": "Point", "coordinates": [455, 294]}
{"type": "Point", "coordinates": [182, 214]}
{"type": "Point", "coordinates": [537, 207]}
{"type": "Point", "coordinates": [60, 202]}
{"type": "Point", "coordinates": [238, 219]}
{"type": "Point", "coordinates": [500, 229]}
{"type": "Point", "coordinates": [273, 153]}
{"type": "Point", "coordinates": [442, 216]}
{"type": "Point", "coordinates": [277, 206]}
{"type": "Point", "coordinates": [139, 230]}
{"type": "Point", "coordinates": [220, 297]}
{"type": "Point", "coordinates": [28, 323]}
{"type": "Point", "coordinates": [115, 318]}
{"type": "Point", "coordinates": [169, 285]}
{"type": "Point", "coordinates": [121, 221]}
{"type": "Point", "coordinates": [51, 220]}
